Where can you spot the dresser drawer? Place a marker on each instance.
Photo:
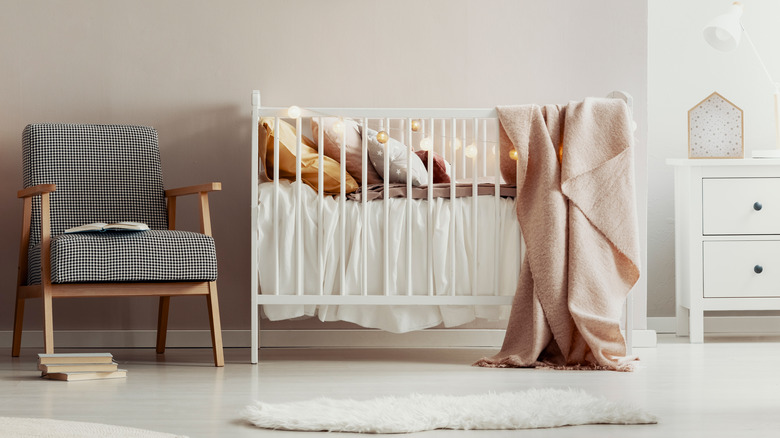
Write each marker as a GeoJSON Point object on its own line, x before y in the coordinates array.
{"type": "Point", "coordinates": [736, 269]}
{"type": "Point", "coordinates": [740, 206]}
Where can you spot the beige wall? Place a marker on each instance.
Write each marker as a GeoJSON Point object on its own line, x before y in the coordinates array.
{"type": "Point", "coordinates": [188, 67]}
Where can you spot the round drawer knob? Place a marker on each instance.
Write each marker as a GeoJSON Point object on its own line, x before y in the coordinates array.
{"type": "Point", "coordinates": [757, 206]}
{"type": "Point", "coordinates": [758, 269]}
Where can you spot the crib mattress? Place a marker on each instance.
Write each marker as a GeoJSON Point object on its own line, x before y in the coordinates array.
{"type": "Point", "coordinates": [396, 319]}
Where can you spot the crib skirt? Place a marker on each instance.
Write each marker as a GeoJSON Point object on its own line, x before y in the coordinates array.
{"type": "Point", "coordinates": [397, 319]}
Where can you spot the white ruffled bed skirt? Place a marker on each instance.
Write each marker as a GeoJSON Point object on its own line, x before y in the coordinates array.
{"type": "Point", "coordinates": [397, 319]}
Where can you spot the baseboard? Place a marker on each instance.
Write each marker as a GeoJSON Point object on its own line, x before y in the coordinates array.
{"type": "Point", "coordinates": [645, 339]}
{"type": "Point", "coordinates": [662, 324]}
{"type": "Point", "coordinates": [722, 324]}
{"type": "Point", "coordinates": [432, 338]}
{"type": "Point", "coordinates": [128, 338]}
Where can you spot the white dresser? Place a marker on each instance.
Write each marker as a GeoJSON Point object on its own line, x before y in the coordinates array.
{"type": "Point", "coordinates": [727, 238]}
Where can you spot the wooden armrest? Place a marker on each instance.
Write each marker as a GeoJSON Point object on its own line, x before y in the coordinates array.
{"type": "Point", "coordinates": [36, 190]}
{"type": "Point", "coordinates": [191, 190]}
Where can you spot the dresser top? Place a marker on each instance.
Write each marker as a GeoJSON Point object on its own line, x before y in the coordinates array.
{"type": "Point", "coordinates": [705, 162]}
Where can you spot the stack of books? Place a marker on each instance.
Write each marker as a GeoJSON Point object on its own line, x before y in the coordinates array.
{"type": "Point", "coordinates": [79, 366]}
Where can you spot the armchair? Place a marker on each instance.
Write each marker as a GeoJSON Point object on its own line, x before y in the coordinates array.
{"type": "Point", "coordinates": [78, 174]}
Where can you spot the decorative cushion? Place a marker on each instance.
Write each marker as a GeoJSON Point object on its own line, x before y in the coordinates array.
{"type": "Point", "coordinates": [309, 160]}
{"type": "Point", "coordinates": [399, 166]}
{"type": "Point", "coordinates": [353, 143]}
{"type": "Point", "coordinates": [117, 256]}
{"type": "Point", "coordinates": [103, 173]}
{"type": "Point", "coordinates": [441, 168]}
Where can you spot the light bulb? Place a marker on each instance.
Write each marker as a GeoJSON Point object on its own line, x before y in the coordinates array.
{"type": "Point", "coordinates": [294, 112]}
{"type": "Point", "coordinates": [471, 151]}
{"type": "Point", "coordinates": [381, 137]}
{"type": "Point", "coordinates": [426, 144]}
{"type": "Point", "coordinates": [457, 143]}
{"type": "Point", "coordinates": [338, 127]}
{"type": "Point", "coordinates": [513, 154]}
{"type": "Point", "coordinates": [415, 125]}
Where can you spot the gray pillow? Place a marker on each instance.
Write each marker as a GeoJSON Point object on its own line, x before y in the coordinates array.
{"type": "Point", "coordinates": [399, 165]}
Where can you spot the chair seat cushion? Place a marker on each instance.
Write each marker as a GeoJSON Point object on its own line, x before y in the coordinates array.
{"type": "Point", "coordinates": [117, 256]}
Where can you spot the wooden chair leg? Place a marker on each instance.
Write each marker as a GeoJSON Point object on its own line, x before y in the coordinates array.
{"type": "Point", "coordinates": [216, 328]}
{"type": "Point", "coordinates": [162, 323]}
{"type": "Point", "coordinates": [18, 324]}
{"type": "Point", "coordinates": [48, 323]}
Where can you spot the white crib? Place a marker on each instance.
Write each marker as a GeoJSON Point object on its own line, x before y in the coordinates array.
{"type": "Point", "coordinates": [467, 138]}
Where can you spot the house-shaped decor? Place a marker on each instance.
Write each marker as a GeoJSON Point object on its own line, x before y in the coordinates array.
{"type": "Point", "coordinates": [715, 129]}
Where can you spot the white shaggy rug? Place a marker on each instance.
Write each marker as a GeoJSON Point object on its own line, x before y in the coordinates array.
{"type": "Point", "coordinates": [531, 409]}
{"type": "Point", "coordinates": [15, 427]}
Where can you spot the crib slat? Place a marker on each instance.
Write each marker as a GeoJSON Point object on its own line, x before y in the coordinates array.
{"type": "Point", "coordinates": [386, 179]}
{"type": "Point", "coordinates": [463, 145]}
{"type": "Point", "coordinates": [254, 282]}
{"type": "Point", "coordinates": [364, 205]}
{"type": "Point", "coordinates": [298, 215]}
{"type": "Point", "coordinates": [444, 152]}
{"type": "Point", "coordinates": [320, 206]}
{"type": "Point", "coordinates": [484, 148]}
{"type": "Point", "coordinates": [408, 124]}
{"type": "Point", "coordinates": [497, 219]}
{"type": "Point", "coordinates": [430, 211]}
{"type": "Point", "coordinates": [343, 215]}
{"type": "Point", "coordinates": [453, 205]}
{"type": "Point", "coordinates": [474, 207]}
{"type": "Point", "coordinates": [277, 266]}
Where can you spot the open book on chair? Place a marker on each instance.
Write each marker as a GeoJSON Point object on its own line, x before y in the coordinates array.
{"type": "Point", "coordinates": [102, 227]}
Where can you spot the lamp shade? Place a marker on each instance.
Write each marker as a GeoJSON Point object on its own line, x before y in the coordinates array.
{"type": "Point", "coordinates": [724, 31]}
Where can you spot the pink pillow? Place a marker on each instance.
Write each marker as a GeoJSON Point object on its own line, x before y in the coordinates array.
{"type": "Point", "coordinates": [440, 166]}
{"type": "Point", "coordinates": [353, 143]}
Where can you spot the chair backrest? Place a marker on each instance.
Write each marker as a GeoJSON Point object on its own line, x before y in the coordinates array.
{"type": "Point", "coordinates": [103, 173]}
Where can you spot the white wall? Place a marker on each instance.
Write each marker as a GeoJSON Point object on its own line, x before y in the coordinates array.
{"type": "Point", "coordinates": [187, 68]}
{"type": "Point", "coordinates": [682, 70]}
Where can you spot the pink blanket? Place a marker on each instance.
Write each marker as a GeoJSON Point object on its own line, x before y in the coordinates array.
{"type": "Point", "coordinates": [578, 218]}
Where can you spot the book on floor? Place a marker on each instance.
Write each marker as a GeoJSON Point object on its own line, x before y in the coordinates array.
{"type": "Point", "coordinates": [73, 367]}
{"type": "Point", "coordinates": [60, 358]}
{"type": "Point", "coordinates": [86, 375]}
{"type": "Point", "coordinates": [103, 227]}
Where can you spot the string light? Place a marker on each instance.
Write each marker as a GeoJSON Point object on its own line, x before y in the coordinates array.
{"type": "Point", "coordinates": [338, 126]}
{"type": "Point", "coordinates": [383, 136]}
{"type": "Point", "coordinates": [294, 112]}
{"type": "Point", "coordinates": [471, 151]}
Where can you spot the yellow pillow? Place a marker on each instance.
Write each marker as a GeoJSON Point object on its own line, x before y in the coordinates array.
{"type": "Point", "coordinates": [309, 159]}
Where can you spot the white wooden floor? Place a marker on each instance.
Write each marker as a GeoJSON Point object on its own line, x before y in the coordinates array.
{"type": "Point", "coordinates": [729, 386]}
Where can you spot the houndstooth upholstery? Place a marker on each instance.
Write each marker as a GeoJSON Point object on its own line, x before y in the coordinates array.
{"type": "Point", "coordinates": [107, 173]}
{"type": "Point", "coordinates": [128, 256]}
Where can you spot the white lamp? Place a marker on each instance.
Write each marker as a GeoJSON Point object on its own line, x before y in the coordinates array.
{"type": "Point", "coordinates": [723, 33]}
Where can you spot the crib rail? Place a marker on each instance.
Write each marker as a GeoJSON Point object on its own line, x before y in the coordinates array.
{"type": "Point", "coordinates": [467, 138]}
{"type": "Point", "coordinates": [387, 300]}
{"type": "Point", "coordinates": [382, 113]}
